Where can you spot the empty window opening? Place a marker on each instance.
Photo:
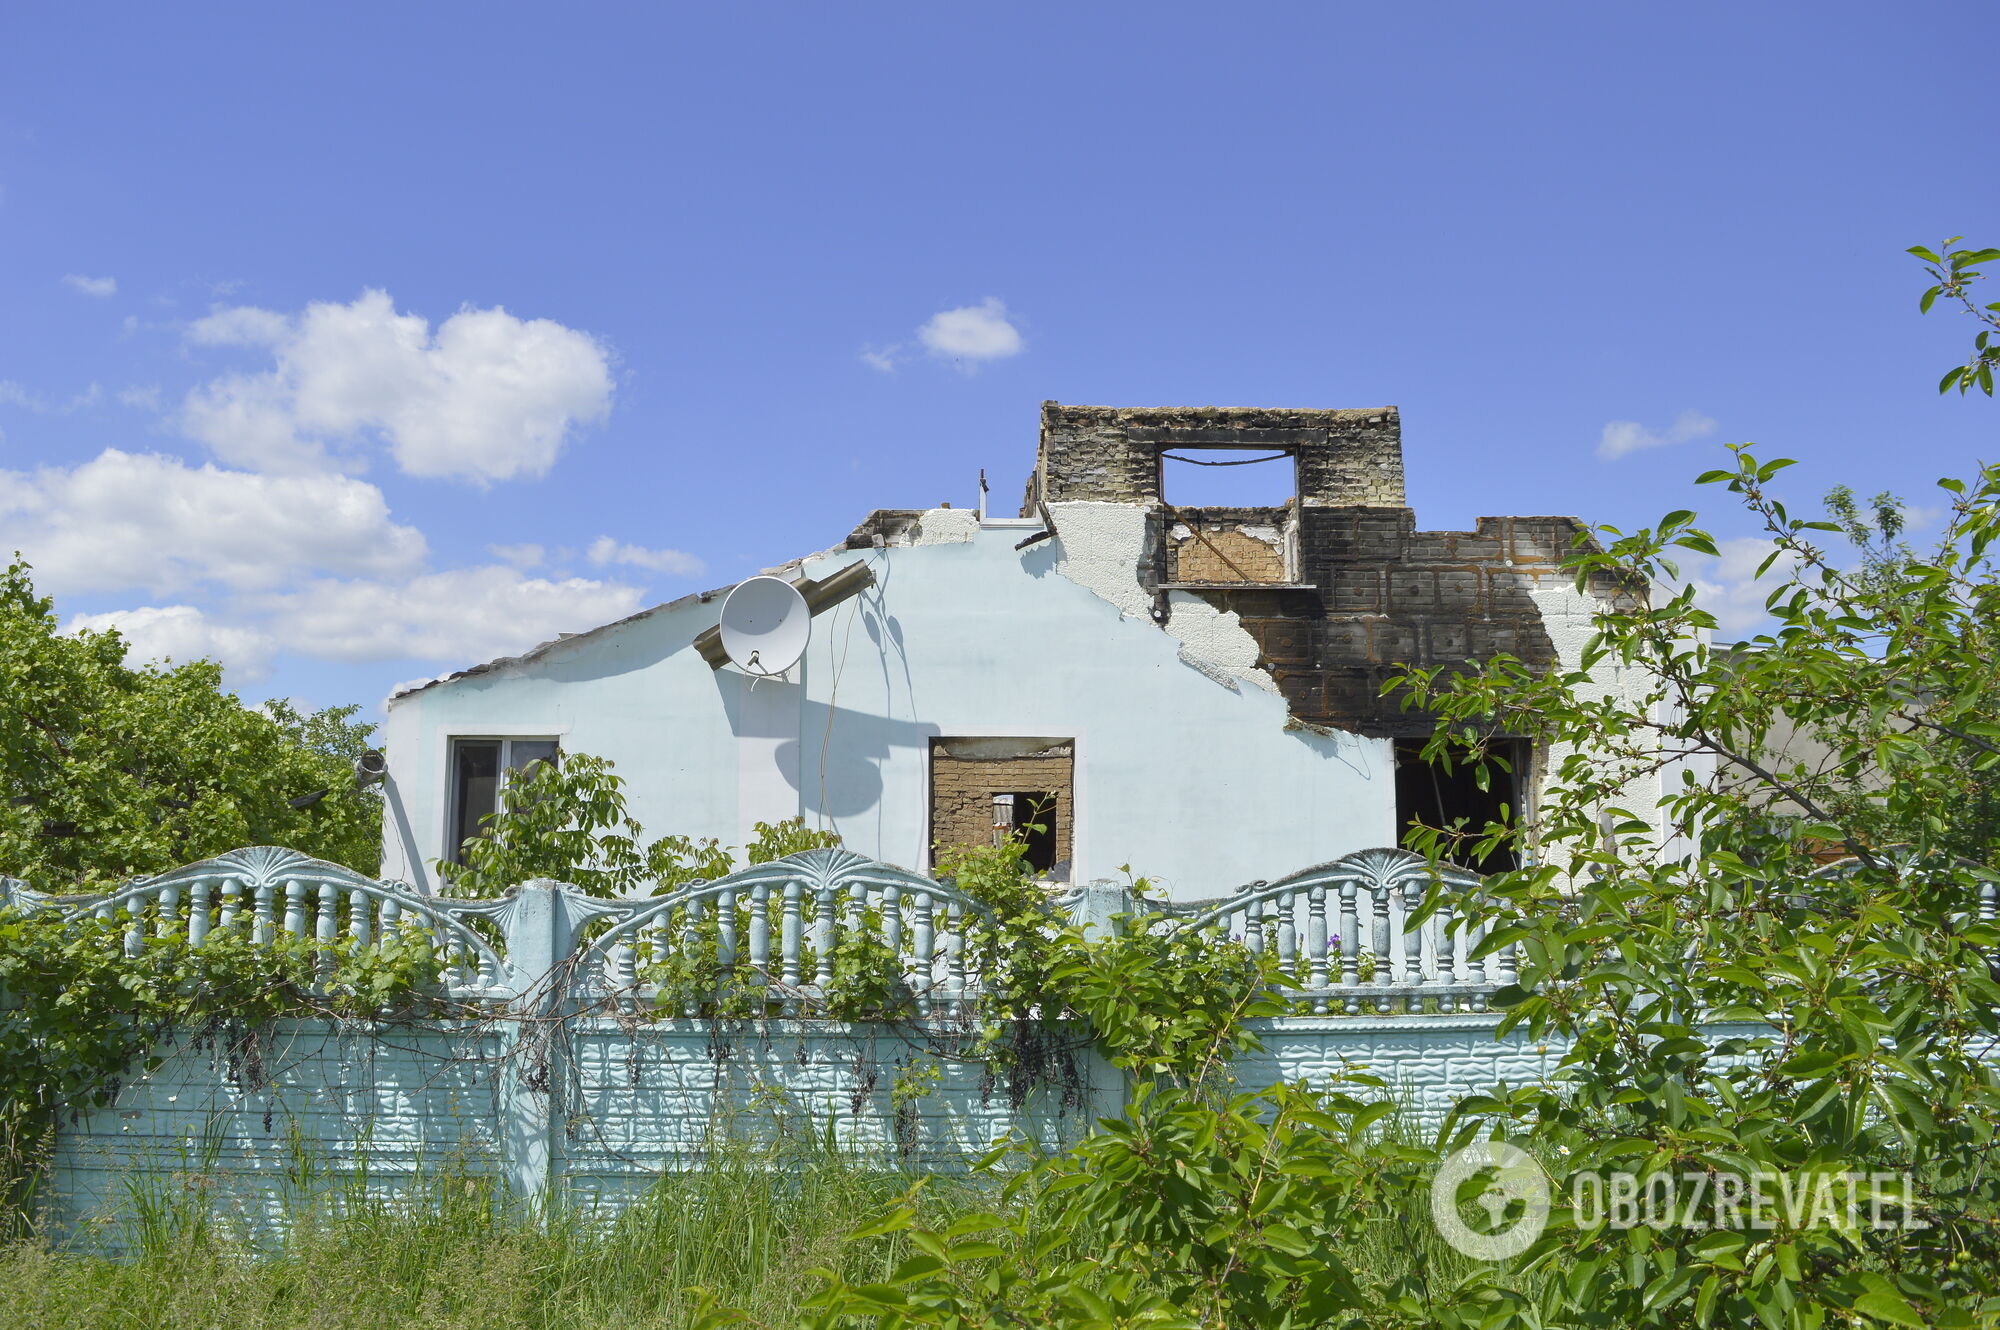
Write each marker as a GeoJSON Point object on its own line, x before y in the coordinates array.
{"type": "Point", "coordinates": [986, 790]}
{"type": "Point", "coordinates": [1030, 817]}
{"type": "Point", "coordinates": [480, 770]}
{"type": "Point", "coordinates": [1427, 793]}
{"type": "Point", "coordinates": [1228, 478]}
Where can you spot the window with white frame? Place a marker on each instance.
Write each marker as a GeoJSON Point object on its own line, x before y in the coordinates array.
{"type": "Point", "coordinates": [480, 770]}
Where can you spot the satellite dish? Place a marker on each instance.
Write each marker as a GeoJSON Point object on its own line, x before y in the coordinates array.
{"type": "Point", "coordinates": [765, 624]}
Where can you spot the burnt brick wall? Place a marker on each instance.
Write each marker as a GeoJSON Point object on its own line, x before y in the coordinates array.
{"type": "Point", "coordinates": [1369, 594]}
{"type": "Point", "coordinates": [1112, 454]}
{"type": "Point", "coordinates": [1386, 595]}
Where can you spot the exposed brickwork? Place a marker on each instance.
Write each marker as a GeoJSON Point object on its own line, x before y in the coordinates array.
{"type": "Point", "coordinates": [962, 790]}
{"type": "Point", "coordinates": [1216, 548]}
{"type": "Point", "coordinates": [1365, 594]}
{"type": "Point", "coordinates": [1385, 595]}
{"type": "Point", "coordinates": [1111, 454]}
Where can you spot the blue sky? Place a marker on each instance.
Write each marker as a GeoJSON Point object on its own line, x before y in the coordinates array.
{"type": "Point", "coordinates": [358, 343]}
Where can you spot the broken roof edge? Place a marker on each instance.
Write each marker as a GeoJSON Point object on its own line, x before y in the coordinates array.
{"type": "Point", "coordinates": [1194, 417]}
{"type": "Point", "coordinates": [560, 640]}
{"type": "Point", "coordinates": [894, 524]}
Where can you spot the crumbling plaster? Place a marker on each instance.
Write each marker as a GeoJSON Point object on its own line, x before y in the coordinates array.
{"type": "Point", "coordinates": [1103, 548]}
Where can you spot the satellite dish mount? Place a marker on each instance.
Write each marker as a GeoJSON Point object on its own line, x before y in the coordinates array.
{"type": "Point", "coordinates": [765, 625]}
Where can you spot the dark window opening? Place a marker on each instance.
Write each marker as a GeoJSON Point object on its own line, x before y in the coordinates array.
{"type": "Point", "coordinates": [480, 770]}
{"type": "Point", "coordinates": [1228, 478]}
{"type": "Point", "coordinates": [1035, 825]}
{"type": "Point", "coordinates": [1429, 794]}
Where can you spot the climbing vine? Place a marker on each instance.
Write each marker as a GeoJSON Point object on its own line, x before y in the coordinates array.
{"type": "Point", "coordinates": [79, 1016]}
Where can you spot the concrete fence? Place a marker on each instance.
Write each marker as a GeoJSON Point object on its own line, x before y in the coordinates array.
{"type": "Point", "coordinates": [561, 1073]}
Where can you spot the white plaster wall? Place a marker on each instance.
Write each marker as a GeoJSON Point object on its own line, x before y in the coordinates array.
{"type": "Point", "coordinates": [1194, 781]}
{"type": "Point", "coordinates": [1569, 616]}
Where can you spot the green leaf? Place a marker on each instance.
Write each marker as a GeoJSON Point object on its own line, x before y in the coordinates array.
{"type": "Point", "coordinates": [1888, 1307]}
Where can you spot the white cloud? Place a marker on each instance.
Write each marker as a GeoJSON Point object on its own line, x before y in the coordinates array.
{"type": "Point", "coordinates": [485, 397]}
{"type": "Point", "coordinates": [15, 394]}
{"type": "Point", "coordinates": [100, 288]}
{"type": "Point", "coordinates": [1728, 587]}
{"type": "Point", "coordinates": [1622, 437]}
{"type": "Point", "coordinates": [521, 556]}
{"type": "Point", "coordinates": [972, 333]}
{"type": "Point", "coordinates": [125, 520]}
{"type": "Point", "coordinates": [182, 633]}
{"type": "Point", "coordinates": [883, 359]}
{"type": "Point", "coordinates": [460, 616]}
{"type": "Point", "coordinates": [606, 550]}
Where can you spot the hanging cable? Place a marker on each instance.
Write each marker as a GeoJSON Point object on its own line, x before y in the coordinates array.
{"type": "Point", "coordinates": [1241, 461]}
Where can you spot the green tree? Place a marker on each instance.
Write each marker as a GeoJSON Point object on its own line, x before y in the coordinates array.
{"type": "Point", "coordinates": [1952, 274]}
{"type": "Point", "coordinates": [567, 819]}
{"type": "Point", "coordinates": [108, 770]}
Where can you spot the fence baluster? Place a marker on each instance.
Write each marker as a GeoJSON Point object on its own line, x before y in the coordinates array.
{"type": "Point", "coordinates": [329, 924]}
{"type": "Point", "coordinates": [1447, 955]}
{"type": "Point", "coordinates": [358, 912]}
{"type": "Point", "coordinates": [1350, 946]}
{"type": "Point", "coordinates": [232, 904]}
{"type": "Point", "coordinates": [198, 911]}
{"type": "Point", "coordinates": [857, 919]}
{"type": "Point", "coordinates": [725, 930]}
{"type": "Point", "coordinates": [892, 921]}
{"type": "Point", "coordinates": [1316, 944]}
{"type": "Point", "coordinates": [1383, 944]}
{"type": "Point", "coordinates": [691, 916]}
{"type": "Point", "coordinates": [391, 919]}
{"type": "Point", "coordinates": [1288, 932]}
{"type": "Point", "coordinates": [1475, 964]}
{"type": "Point", "coordinates": [1413, 941]}
{"type": "Point", "coordinates": [295, 907]}
{"type": "Point", "coordinates": [954, 958]}
{"type": "Point", "coordinates": [135, 928]}
{"type": "Point", "coordinates": [1504, 971]}
{"type": "Point", "coordinates": [263, 921]}
{"type": "Point", "coordinates": [791, 943]}
{"type": "Point", "coordinates": [920, 944]}
{"type": "Point", "coordinates": [760, 935]}
{"type": "Point", "coordinates": [170, 911]}
{"type": "Point", "coordinates": [823, 931]}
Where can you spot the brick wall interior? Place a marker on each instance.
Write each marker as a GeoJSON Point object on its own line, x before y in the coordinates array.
{"type": "Point", "coordinates": [1214, 552]}
{"type": "Point", "coordinates": [962, 790]}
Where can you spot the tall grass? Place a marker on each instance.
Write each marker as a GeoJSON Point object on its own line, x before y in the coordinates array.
{"type": "Point", "coordinates": [451, 1252]}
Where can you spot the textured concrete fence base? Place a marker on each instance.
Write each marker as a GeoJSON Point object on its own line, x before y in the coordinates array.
{"type": "Point", "coordinates": [256, 1124]}
{"type": "Point", "coordinates": [259, 1123]}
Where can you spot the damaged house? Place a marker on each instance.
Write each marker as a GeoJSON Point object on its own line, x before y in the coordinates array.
{"type": "Point", "coordinates": [1193, 691]}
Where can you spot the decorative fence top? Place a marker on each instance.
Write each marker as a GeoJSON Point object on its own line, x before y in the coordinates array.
{"type": "Point", "coordinates": [773, 934]}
